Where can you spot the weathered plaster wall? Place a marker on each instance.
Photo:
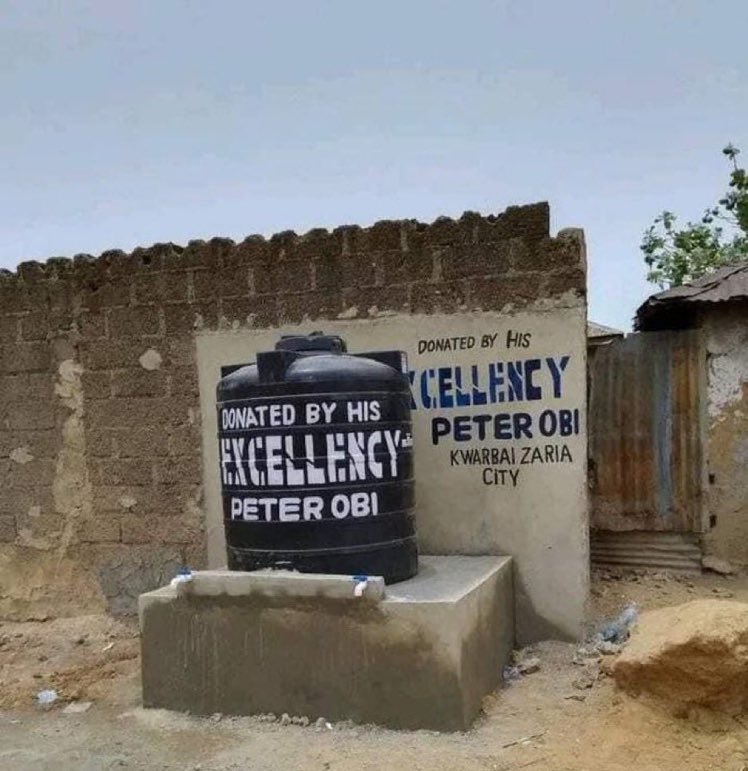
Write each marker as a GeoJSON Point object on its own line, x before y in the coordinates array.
{"type": "Point", "coordinates": [100, 420]}
{"type": "Point", "coordinates": [476, 493]}
{"type": "Point", "coordinates": [726, 330]}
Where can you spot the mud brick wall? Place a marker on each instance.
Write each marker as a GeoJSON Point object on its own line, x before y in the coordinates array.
{"type": "Point", "coordinates": [100, 459]}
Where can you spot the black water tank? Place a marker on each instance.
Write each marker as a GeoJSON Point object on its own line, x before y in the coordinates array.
{"type": "Point", "coordinates": [316, 453]}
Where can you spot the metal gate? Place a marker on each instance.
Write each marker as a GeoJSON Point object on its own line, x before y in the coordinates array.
{"type": "Point", "coordinates": [646, 422]}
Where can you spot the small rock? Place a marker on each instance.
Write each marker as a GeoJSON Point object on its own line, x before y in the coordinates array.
{"type": "Point", "coordinates": [285, 719]}
{"type": "Point", "coordinates": [77, 707]}
{"type": "Point", "coordinates": [216, 717]}
{"type": "Point", "coordinates": [320, 724]}
{"type": "Point", "coordinates": [586, 655]}
{"type": "Point", "coordinates": [608, 648]}
{"type": "Point", "coordinates": [606, 667]}
{"type": "Point", "coordinates": [584, 681]}
{"type": "Point", "coordinates": [108, 647]}
{"type": "Point", "coordinates": [295, 720]}
{"type": "Point", "coordinates": [41, 658]}
{"type": "Point", "coordinates": [717, 565]}
{"type": "Point", "coordinates": [304, 721]}
{"type": "Point", "coordinates": [585, 662]}
{"type": "Point", "coordinates": [528, 666]}
{"type": "Point", "coordinates": [575, 697]}
{"type": "Point", "coordinates": [80, 641]}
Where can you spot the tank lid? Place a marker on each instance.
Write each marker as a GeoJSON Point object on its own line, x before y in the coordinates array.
{"type": "Point", "coordinates": [315, 341]}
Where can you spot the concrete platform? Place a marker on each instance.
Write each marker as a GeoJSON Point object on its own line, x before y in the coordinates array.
{"type": "Point", "coordinates": [418, 654]}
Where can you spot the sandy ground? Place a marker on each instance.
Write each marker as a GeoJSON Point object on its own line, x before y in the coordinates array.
{"type": "Point", "coordinates": [539, 722]}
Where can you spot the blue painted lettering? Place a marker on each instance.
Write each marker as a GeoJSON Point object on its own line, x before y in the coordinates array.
{"type": "Point", "coordinates": [445, 387]}
{"type": "Point", "coordinates": [556, 369]}
{"type": "Point", "coordinates": [496, 382]}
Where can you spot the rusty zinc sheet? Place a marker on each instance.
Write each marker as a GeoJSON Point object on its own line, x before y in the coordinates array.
{"type": "Point", "coordinates": [727, 284]}
{"type": "Point", "coordinates": [646, 422]}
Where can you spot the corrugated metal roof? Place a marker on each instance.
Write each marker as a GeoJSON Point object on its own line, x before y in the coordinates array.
{"type": "Point", "coordinates": [724, 285]}
{"type": "Point", "coordinates": [600, 330]}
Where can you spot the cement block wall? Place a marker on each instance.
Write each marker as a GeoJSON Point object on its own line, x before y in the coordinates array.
{"type": "Point", "coordinates": [100, 419]}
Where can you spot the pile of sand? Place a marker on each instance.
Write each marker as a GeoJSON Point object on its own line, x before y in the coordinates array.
{"type": "Point", "coordinates": [689, 656]}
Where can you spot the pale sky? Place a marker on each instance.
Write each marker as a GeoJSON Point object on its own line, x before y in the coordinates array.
{"type": "Point", "coordinates": [130, 122]}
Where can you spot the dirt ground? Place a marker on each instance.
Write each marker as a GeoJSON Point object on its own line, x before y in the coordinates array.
{"type": "Point", "coordinates": [541, 721]}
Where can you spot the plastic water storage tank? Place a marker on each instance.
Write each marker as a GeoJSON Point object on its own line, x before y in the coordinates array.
{"type": "Point", "coordinates": [316, 460]}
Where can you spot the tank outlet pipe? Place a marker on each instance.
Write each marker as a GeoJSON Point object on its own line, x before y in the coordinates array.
{"type": "Point", "coordinates": [360, 587]}
{"type": "Point", "coordinates": [183, 577]}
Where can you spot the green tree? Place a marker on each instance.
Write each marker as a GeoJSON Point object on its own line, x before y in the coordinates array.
{"type": "Point", "coordinates": [675, 255]}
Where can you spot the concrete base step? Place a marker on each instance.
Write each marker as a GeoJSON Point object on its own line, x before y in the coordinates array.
{"type": "Point", "coordinates": [419, 654]}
